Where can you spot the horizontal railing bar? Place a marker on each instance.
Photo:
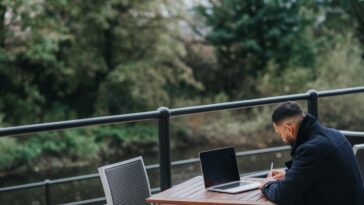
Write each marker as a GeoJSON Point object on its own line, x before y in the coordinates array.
{"type": "Point", "coordinates": [258, 174]}
{"type": "Point", "coordinates": [263, 151]}
{"type": "Point", "coordinates": [152, 166]}
{"type": "Point", "coordinates": [236, 104]}
{"type": "Point", "coordinates": [89, 201]}
{"type": "Point", "coordinates": [22, 186]}
{"type": "Point", "coordinates": [343, 91]}
{"type": "Point", "coordinates": [352, 133]}
{"type": "Point", "coordinates": [71, 179]}
{"type": "Point", "coordinates": [27, 129]}
{"type": "Point", "coordinates": [155, 190]}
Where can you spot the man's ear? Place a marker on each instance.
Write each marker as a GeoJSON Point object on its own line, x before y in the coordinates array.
{"type": "Point", "coordinates": [291, 129]}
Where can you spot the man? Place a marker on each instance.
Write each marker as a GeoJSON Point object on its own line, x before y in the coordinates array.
{"type": "Point", "coordinates": [323, 169]}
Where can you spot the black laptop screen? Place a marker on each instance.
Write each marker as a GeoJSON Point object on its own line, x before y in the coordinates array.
{"type": "Point", "coordinates": [219, 166]}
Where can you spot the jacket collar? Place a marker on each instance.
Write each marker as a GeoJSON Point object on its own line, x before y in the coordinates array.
{"type": "Point", "coordinates": [307, 126]}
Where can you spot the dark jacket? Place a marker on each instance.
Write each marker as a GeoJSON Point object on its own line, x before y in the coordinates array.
{"type": "Point", "coordinates": [323, 170]}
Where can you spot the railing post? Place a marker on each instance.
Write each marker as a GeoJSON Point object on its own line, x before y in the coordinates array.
{"type": "Point", "coordinates": [164, 149]}
{"type": "Point", "coordinates": [47, 191]}
{"type": "Point", "coordinates": [312, 103]}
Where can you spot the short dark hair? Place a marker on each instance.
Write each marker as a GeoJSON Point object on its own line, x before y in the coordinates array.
{"type": "Point", "coordinates": [286, 110]}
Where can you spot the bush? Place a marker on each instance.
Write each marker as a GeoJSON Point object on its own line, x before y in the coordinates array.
{"type": "Point", "coordinates": [10, 153]}
{"type": "Point", "coordinates": [341, 67]}
{"type": "Point", "coordinates": [43, 150]}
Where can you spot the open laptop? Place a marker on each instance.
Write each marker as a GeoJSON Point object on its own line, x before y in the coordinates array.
{"type": "Point", "coordinates": [220, 171]}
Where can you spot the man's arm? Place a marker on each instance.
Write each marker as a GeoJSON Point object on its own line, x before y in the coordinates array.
{"type": "Point", "coordinates": [297, 179]}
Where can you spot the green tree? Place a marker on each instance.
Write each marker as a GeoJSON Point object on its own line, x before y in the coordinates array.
{"type": "Point", "coordinates": [68, 59]}
{"type": "Point", "coordinates": [246, 35]}
{"type": "Point", "coordinates": [31, 70]}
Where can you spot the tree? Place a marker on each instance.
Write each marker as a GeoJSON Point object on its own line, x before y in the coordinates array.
{"type": "Point", "coordinates": [67, 59]}
{"type": "Point", "coordinates": [246, 35]}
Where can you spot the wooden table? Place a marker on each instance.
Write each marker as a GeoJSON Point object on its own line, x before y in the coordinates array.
{"type": "Point", "coordinates": [193, 192]}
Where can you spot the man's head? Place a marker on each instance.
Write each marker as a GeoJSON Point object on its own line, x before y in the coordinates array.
{"type": "Point", "coordinates": [287, 118]}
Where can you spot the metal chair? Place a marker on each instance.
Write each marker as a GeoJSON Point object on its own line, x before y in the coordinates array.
{"type": "Point", "coordinates": [125, 182]}
{"type": "Point", "coordinates": [359, 154]}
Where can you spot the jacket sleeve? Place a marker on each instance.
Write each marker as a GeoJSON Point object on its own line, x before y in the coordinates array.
{"type": "Point", "coordinates": [297, 179]}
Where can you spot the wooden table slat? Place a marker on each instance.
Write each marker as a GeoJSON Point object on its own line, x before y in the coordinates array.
{"type": "Point", "coordinates": [254, 194]}
{"type": "Point", "coordinates": [178, 188]}
{"type": "Point", "coordinates": [251, 194]}
{"type": "Point", "coordinates": [191, 190]}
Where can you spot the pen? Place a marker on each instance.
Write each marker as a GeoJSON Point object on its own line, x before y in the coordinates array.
{"type": "Point", "coordinates": [271, 170]}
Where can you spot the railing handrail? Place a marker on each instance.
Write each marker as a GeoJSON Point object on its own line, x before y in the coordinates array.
{"type": "Point", "coordinates": [50, 126]}
{"type": "Point", "coordinates": [27, 129]}
{"type": "Point", "coordinates": [352, 133]}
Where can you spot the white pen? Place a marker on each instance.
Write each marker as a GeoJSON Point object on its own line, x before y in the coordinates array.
{"type": "Point", "coordinates": [271, 170]}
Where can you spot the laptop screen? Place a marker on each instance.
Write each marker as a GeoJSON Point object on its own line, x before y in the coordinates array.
{"type": "Point", "coordinates": [219, 166]}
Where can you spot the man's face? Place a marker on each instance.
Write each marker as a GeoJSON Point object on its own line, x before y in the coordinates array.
{"type": "Point", "coordinates": [286, 131]}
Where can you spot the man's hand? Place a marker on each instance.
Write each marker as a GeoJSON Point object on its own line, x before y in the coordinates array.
{"type": "Point", "coordinates": [278, 174]}
{"type": "Point", "coordinates": [266, 180]}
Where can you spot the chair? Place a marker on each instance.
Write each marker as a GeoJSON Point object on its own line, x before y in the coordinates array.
{"type": "Point", "coordinates": [125, 182]}
{"type": "Point", "coordinates": [359, 154]}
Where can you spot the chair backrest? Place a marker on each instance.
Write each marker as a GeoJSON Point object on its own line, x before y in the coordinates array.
{"type": "Point", "coordinates": [125, 182]}
{"type": "Point", "coordinates": [359, 154]}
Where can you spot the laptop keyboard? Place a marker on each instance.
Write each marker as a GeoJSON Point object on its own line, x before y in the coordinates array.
{"type": "Point", "coordinates": [229, 186]}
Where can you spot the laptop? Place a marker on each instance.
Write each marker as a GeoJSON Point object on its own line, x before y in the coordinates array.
{"type": "Point", "coordinates": [220, 171]}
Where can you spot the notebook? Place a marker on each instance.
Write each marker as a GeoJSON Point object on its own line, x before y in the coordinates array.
{"type": "Point", "coordinates": [220, 171]}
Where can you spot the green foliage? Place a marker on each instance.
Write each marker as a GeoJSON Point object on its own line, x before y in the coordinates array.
{"type": "Point", "coordinates": [74, 144]}
{"type": "Point", "coordinates": [127, 133]}
{"type": "Point", "coordinates": [247, 35]}
{"type": "Point", "coordinates": [293, 80]}
{"type": "Point", "coordinates": [71, 59]}
{"type": "Point", "coordinates": [69, 146]}
{"type": "Point", "coordinates": [339, 67]}
{"type": "Point", "coordinates": [342, 67]}
{"type": "Point", "coordinates": [9, 152]}
{"type": "Point", "coordinates": [358, 13]}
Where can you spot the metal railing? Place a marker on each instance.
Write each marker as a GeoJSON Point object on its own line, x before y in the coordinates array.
{"type": "Point", "coordinates": [163, 115]}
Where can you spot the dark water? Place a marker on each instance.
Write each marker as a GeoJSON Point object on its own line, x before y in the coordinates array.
{"type": "Point", "coordinates": [87, 189]}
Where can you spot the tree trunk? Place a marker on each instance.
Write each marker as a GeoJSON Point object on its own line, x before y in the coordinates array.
{"type": "Point", "coordinates": [2, 25]}
{"type": "Point", "coordinates": [108, 47]}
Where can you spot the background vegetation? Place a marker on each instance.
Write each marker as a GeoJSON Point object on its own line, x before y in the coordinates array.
{"type": "Point", "coordinates": [65, 59]}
